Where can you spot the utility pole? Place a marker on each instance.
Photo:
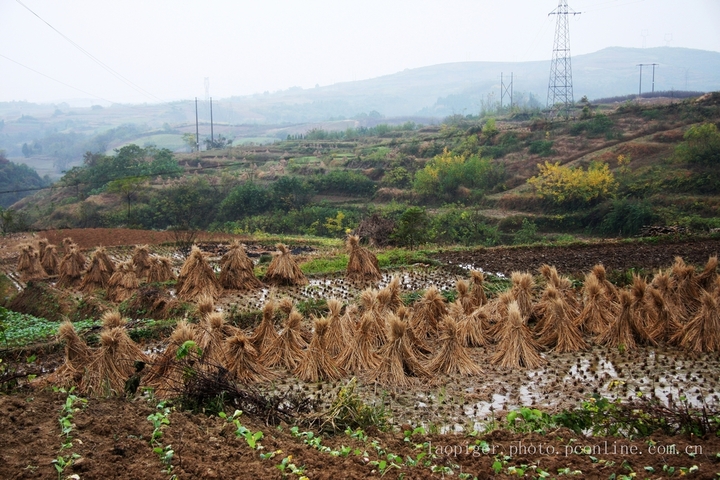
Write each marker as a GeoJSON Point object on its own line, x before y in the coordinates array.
{"type": "Point", "coordinates": [197, 129]}
{"type": "Point", "coordinates": [560, 87]}
{"type": "Point", "coordinates": [641, 65]}
{"type": "Point", "coordinates": [212, 137]}
{"type": "Point", "coordinates": [506, 90]}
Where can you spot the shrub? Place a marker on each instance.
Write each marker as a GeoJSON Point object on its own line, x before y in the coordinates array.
{"type": "Point", "coordinates": [343, 182]}
{"type": "Point", "coordinates": [627, 217]}
{"type": "Point", "coordinates": [446, 173]}
{"type": "Point", "coordinates": [701, 145]}
{"type": "Point", "coordinates": [467, 228]}
{"type": "Point", "coordinates": [573, 187]}
{"type": "Point", "coordinates": [527, 233]}
{"type": "Point", "coordinates": [541, 147]}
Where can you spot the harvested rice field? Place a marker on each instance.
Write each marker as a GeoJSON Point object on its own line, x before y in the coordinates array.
{"type": "Point", "coordinates": [600, 359]}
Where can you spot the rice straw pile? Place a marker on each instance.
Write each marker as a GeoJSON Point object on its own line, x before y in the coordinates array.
{"type": "Point", "coordinates": [50, 261]}
{"type": "Point", "coordinates": [363, 264]}
{"type": "Point", "coordinates": [287, 349]}
{"type": "Point", "coordinates": [160, 270]}
{"type": "Point", "coordinates": [265, 334]}
{"type": "Point", "coordinates": [123, 283]}
{"type": "Point", "coordinates": [141, 261]}
{"type": "Point", "coordinates": [397, 359]}
{"type": "Point", "coordinates": [197, 278]}
{"type": "Point", "coordinates": [283, 270]}
{"type": "Point", "coordinates": [97, 276]}
{"type": "Point", "coordinates": [242, 360]}
{"type": "Point", "coordinates": [316, 363]}
{"type": "Point", "coordinates": [453, 357]}
{"type": "Point", "coordinates": [71, 268]}
{"type": "Point", "coordinates": [516, 348]}
{"type": "Point", "coordinates": [237, 270]}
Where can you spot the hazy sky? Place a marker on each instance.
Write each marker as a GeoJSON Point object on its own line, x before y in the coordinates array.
{"type": "Point", "coordinates": [168, 47]}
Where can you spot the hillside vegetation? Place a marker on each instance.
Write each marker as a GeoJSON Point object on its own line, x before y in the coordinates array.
{"type": "Point", "coordinates": [473, 180]}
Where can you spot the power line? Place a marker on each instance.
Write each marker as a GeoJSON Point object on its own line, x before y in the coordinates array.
{"type": "Point", "coordinates": [95, 59]}
{"type": "Point", "coordinates": [55, 79]}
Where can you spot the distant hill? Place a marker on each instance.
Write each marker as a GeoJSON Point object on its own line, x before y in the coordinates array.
{"type": "Point", "coordinates": [16, 180]}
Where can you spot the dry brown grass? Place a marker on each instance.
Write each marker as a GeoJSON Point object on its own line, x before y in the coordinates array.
{"type": "Point", "coordinates": [666, 323]}
{"type": "Point", "coordinates": [212, 332]}
{"type": "Point", "coordinates": [372, 318]}
{"type": "Point", "coordinates": [598, 309]}
{"type": "Point", "coordinates": [477, 289]}
{"type": "Point", "coordinates": [453, 357]}
{"type": "Point", "coordinates": [687, 290]}
{"type": "Point", "coordinates": [284, 270]}
{"type": "Point", "coordinates": [706, 278]}
{"type": "Point", "coordinates": [623, 331]}
{"type": "Point", "coordinates": [560, 331]}
{"type": "Point", "coordinates": [474, 327]}
{"type": "Point", "coordinates": [197, 278]}
{"type": "Point", "coordinates": [237, 270]}
{"type": "Point", "coordinates": [516, 348]}
{"type": "Point", "coordinates": [363, 264]}
{"type": "Point", "coordinates": [522, 286]}
{"type": "Point", "coordinates": [112, 319]}
{"type": "Point", "coordinates": [77, 357]}
{"type": "Point", "coordinates": [35, 270]}
{"type": "Point", "coordinates": [71, 268]}
{"type": "Point", "coordinates": [644, 314]}
{"type": "Point", "coordinates": [360, 356]}
{"type": "Point", "coordinates": [165, 377]}
{"type": "Point", "coordinates": [97, 276]}
{"type": "Point", "coordinates": [336, 337]}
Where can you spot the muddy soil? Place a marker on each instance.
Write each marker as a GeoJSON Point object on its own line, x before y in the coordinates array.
{"type": "Point", "coordinates": [112, 439]}
{"type": "Point", "coordinates": [579, 259]}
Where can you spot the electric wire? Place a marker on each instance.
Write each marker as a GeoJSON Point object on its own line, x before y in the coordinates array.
{"type": "Point", "coordinates": [92, 57]}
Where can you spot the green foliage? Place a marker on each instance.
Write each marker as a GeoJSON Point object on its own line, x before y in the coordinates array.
{"type": "Point", "coordinates": [627, 217]}
{"type": "Point", "coordinates": [444, 175]}
{"type": "Point", "coordinates": [527, 233]}
{"type": "Point", "coordinates": [462, 226]}
{"type": "Point", "coordinates": [412, 227]}
{"type": "Point", "coordinates": [243, 201]}
{"type": "Point", "coordinates": [701, 145]}
{"type": "Point", "coordinates": [599, 125]}
{"type": "Point", "coordinates": [325, 265]}
{"type": "Point", "coordinates": [344, 182]}
{"type": "Point", "coordinates": [22, 329]}
{"type": "Point", "coordinates": [574, 187]}
{"type": "Point", "coordinates": [541, 147]}
{"type": "Point", "coordinates": [398, 177]}
{"type": "Point", "coordinates": [529, 420]}
{"type": "Point", "coordinates": [348, 411]}
{"type": "Point", "coordinates": [15, 178]}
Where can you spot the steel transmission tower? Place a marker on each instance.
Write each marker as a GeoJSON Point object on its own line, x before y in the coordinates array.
{"type": "Point", "coordinates": [560, 88]}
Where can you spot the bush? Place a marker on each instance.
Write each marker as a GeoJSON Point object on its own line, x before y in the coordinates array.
{"type": "Point", "coordinates": [467, 228]}
{"type": "Point", "coordinates": [243, 201]}
{"type": "Point", "coordinates": [446, 173]}
{"type": "Point", "coordinates": [574, 187]}
{"type": "Point", "coordinates": [599, 125]}
{"type": "Point", "coordinates": [343, 182]}
{"type": "Point", "coordinates": [627, 217]}
{"type": "Point", "coordinates": [541, 147]}
{"type": "Point", "coordinates": [527, 233]}
{"type": "Point", "coordinates": [701, 145]}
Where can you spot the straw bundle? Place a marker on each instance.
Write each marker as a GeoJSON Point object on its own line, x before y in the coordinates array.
{"type": "Point", "coordinates": [702, 332]}
{"type": "Point", "coordinates": [666, 324]}
{"type": "Point", "coordinates": [122, 283]}
{"type": "Point", "coordinates": [97, 276]}
{"type": "Point", "coordinates": [112, 319]}
{"type": "Point", "coordinates": [359, 355]}
{"type": "Point", "coordinates": [286, 305]}
{"type": "Point", "coordinates": [265, 333]}
{"type": "Point", "coordinates": [522, 285]}
{"type": "Point", "coordinates": [50, 261]}
{"type": "Point", "coordinates": [112, 364]}
{"type": "Point", "coordinates": [420, 348]}
{"type": "Point", "coordinates": [35, 270]}
{"type": "Point", "coordinates": [71, 268]}
{"type": "Point", "coordinates": [205, 305]}
{"type": "Point", "coordinates": [237, 270]}
{"type": "Point", "coordinates": [197, 278]}
{"type": "Point", "coordinates": [141, 261]}
{"type": "Point", "coordinates": [77, 356]}
{"type": "Point", "coordinates": [375, 321]}
{"type": "Point", "coordinates": [453, 357]}
{"type": "Point", "coordinates": [517, 348]}
{"type": "Point", "coordinates": [165, 376]}
{"type": "Point", "coordinates": [362, 264]}
{"type": "Point", "coordinates": [336, 338]}
{"type": "Point", "coordinates": [541, 309]}
{"type": "Point", "coordinates": [598, 310]}
{"type": "Point", "coordinates": [477, 290]}
{"type": "Point", "coordinates": [389, 299]}
{"type": "Point", "coordinates": [212, 332]}
{"type": "Point", "coordinates": [242, 360]}
{"type": "Point", "coordinates": [160, 270]}
{"type": "Point", "coordinates": [687, 291]}
{"type": "Point", "coordinates": [601, 275]}
{"type": "Point", "coordinates": [473, 327]}
{"type": "Point", "coordinates": [427, 313]}
{"type": "Point", "coordinates": [283, 270]}
{"type": "Point", "coordinates": [287, 350]}
{"type": "Point", "coordinates": [25, 260]}
{"type": "Point", "coordinates": [706, 278]}
{"type": "Point", "coordinates": [397, 359]}
{"type": "Point", "coordinates": [623, 330]}
{"type": "Point", "coordinates": [560, 331]}
{"type": "Point", "coordinates": [643, 312]}
{"type": "Point", "coordinates": [105, 259]}
{"type": "Point", "coordinates": [316, 363]}
{"type": "Point", "coordinates": [464, 297]}
{"type": "Point", "coordinates": [497, 313]}
{"type": "Point", "coordinates": [42, 246]}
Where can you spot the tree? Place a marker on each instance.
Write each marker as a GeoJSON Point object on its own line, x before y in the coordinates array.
{"type": "Point", "coordinates": [701, 145]}
{"type": "Point", "coordinates": [190, 140]}
{"type": "Point", "coordinates": [128, 188]}
{"type": "Point", "coordinates": [412, 227]}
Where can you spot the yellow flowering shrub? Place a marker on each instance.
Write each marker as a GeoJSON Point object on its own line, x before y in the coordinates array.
{"type": "Point", "coordinates": [571, 186]}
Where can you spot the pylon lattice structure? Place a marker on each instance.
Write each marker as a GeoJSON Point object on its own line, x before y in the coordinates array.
{"type": "Point", "coordinates": [560, 88]}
